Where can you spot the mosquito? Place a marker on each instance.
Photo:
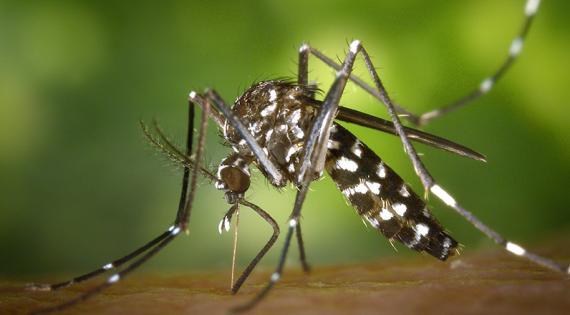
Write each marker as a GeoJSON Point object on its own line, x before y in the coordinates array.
{"type": "Point", "coordinates": [281, 128]}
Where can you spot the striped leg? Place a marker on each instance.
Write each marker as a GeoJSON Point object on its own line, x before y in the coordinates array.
{"type": "Point", "coordinates": [511, 247]}
{"type": "Point", "coordinates": [487, 84]}
{"type": "Point", "coordinates": [303, 79]}
{"type": "Point", "coordinates": [530, 10]}
{"type": "Point", "coordinates": [112, 279]}
{"type": "Point", "coordinates": [110, 266]}
{"type": "Point", "coordinates": [157, 244]}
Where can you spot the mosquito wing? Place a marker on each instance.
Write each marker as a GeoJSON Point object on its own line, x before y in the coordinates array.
{"type": "Point", "coordinates": [381, 197]}
{"type": "Point", "coordinates": [362, 119]}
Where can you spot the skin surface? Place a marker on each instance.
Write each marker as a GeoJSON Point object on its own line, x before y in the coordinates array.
{"type": "Point", "coordinates": [491, 282]}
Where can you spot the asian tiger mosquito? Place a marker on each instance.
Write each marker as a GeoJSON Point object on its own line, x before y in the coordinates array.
{"type": "Point", "coordinates": [281, 127]}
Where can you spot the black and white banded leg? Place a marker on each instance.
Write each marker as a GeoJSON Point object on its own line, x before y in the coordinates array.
{"type": "Point", "coordinates": [515, 49]}
{"type": "Point", "coordinates": [530, 10]}
{"type": "Point", "coordinates": [155, 245]}
{"type": "Point", "coordinates": [110, 266]}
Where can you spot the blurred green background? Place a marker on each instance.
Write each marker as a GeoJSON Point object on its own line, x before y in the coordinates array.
{"type": "Point", "coordinates": [79, 185]}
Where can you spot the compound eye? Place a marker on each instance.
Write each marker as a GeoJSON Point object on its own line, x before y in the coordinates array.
{"type": "Point", "coordinates": [236, 179]}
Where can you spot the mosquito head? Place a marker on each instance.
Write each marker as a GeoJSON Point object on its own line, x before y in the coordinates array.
{"type": "Point", "coordinates": [233, 177]}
